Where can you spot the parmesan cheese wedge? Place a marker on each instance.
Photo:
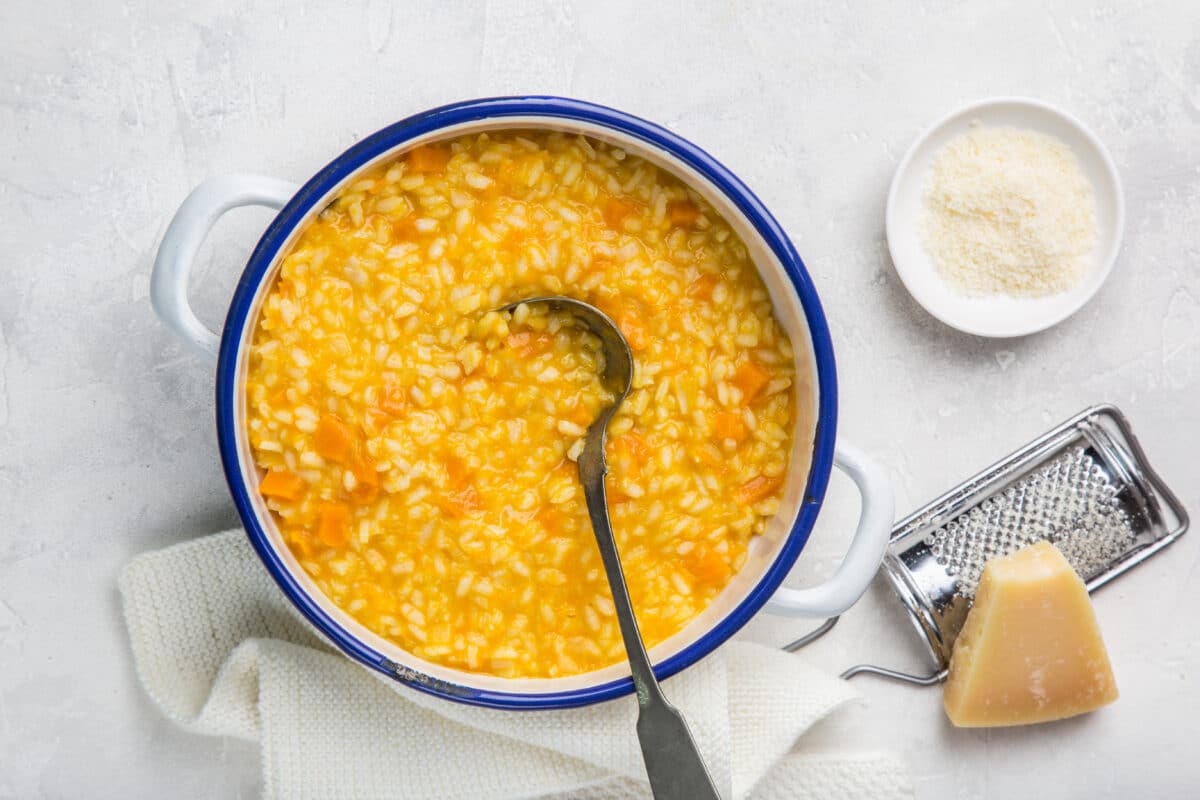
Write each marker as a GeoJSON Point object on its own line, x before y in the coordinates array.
{"type": "Point", "coordinates": [1030, 650]}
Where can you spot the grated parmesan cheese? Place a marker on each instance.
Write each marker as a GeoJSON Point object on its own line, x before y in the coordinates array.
{"type": "Point", "coordinates": [1008, 211]}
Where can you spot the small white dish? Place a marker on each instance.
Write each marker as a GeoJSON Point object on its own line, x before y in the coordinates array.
{"type": "Point", "coordinates": [1001, 315]}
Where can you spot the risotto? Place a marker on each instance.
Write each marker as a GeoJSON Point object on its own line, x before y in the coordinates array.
{"type": "Point", "coordinates": [417, 448]}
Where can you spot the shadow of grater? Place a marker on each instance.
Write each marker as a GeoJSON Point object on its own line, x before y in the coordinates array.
{"type": "Point", "coordinates": [1085, 486]}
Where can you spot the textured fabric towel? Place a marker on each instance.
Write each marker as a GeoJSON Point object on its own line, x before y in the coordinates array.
{"type": "Point", "coordinates": [222, 653]}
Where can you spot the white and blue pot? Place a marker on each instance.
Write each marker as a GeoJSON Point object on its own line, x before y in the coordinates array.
{"type": "Point", "coordinates": [815, 451]}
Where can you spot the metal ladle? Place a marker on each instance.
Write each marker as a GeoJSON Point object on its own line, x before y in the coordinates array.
{"type": "Point", "coordinates": [673, 764]}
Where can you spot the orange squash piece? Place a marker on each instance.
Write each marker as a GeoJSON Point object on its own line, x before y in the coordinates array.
{"type": "Point", "coordinates": [630, 323]}
{"type": "Point", "coordinates": [703, 286]}
{"type": "Point", "coordinates": [301, 540]}
{"type": "Point", "coordinates": [457, 471]}
{"type": "Point", "coordinates": [581, 416]}
{"type": "Point", "coordinates": [405, 229]}
{"type": "Point", "coordinates": [334, 440]}
{"type": "Point", "coordinates": [461, 498]}
{"type": "Point", "coordinates": [617, 209]}
{"type": "Point", "coordinates": [333, 524]}
{"type": "Point", "coordinates": [751, 378]}
{"type": "Point", "coordinates": [682, 213]}
{"type": "Point", "coordinates": [428, 158]}
{"type": "Point", "coordinates": [729, 425]}
{"type": "Point", "coordinates": [282, 483]}
{"type": "Point", "coordinates": [756, 489]}
{"type": "Point", "coordinates": [634, 330]}
{"type": "Point", "coordinates": [363, 468]}
{"type": "Point", "coordinates": [628, 314]}
{"type": "Point", "coordinates": [707, 566]}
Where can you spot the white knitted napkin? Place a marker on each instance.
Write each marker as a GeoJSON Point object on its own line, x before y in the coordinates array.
{"type": "Point", "coordinates": [222, 653]}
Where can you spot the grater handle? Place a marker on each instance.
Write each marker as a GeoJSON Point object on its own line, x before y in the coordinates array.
{"type": "Point", "coordinates": [866, 548]}
{"type": "Point", "coordinates": [931, 679]}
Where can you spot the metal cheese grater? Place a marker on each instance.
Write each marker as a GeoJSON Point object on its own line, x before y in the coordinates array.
{"type": "Point", "coordinates": [1085, 486]}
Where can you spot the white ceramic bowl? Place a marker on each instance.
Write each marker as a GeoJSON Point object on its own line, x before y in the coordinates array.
{"type": "Point", "coordinates": [1000, 315]}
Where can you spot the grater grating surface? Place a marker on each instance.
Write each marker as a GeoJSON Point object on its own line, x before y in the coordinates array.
{"type": "Point", "coordinates": [1085, 486]}
{"type": "Point", "coordinates": [1072, 502]}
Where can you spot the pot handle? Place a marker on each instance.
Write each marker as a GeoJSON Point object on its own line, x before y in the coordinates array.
{"type": "Point", "coordinates": [866, 549]}
{"type": "Point", "coordinates": [191, 224]}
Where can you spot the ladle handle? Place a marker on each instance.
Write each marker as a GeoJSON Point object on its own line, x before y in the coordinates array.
{"type": "Point", "coordinates": [673, 763]}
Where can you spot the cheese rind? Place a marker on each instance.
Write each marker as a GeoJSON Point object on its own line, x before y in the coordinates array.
{"type": "Point", "coordinates": [1030, 650]}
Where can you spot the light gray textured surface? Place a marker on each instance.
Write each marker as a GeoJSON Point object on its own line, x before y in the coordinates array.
{"type": "Point", "coordinates": [110, 113]}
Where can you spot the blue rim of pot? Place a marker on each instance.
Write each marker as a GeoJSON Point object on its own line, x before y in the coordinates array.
{"type": "Point", "coordinates": [545, 108]}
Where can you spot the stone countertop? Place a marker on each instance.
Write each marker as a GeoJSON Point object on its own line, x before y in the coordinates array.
{"type": "Point", "coordinates": [111, 112]}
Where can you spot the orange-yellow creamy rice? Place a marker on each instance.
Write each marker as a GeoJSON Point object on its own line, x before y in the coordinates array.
{"type": "Point", "coordinates": [418, 449]}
